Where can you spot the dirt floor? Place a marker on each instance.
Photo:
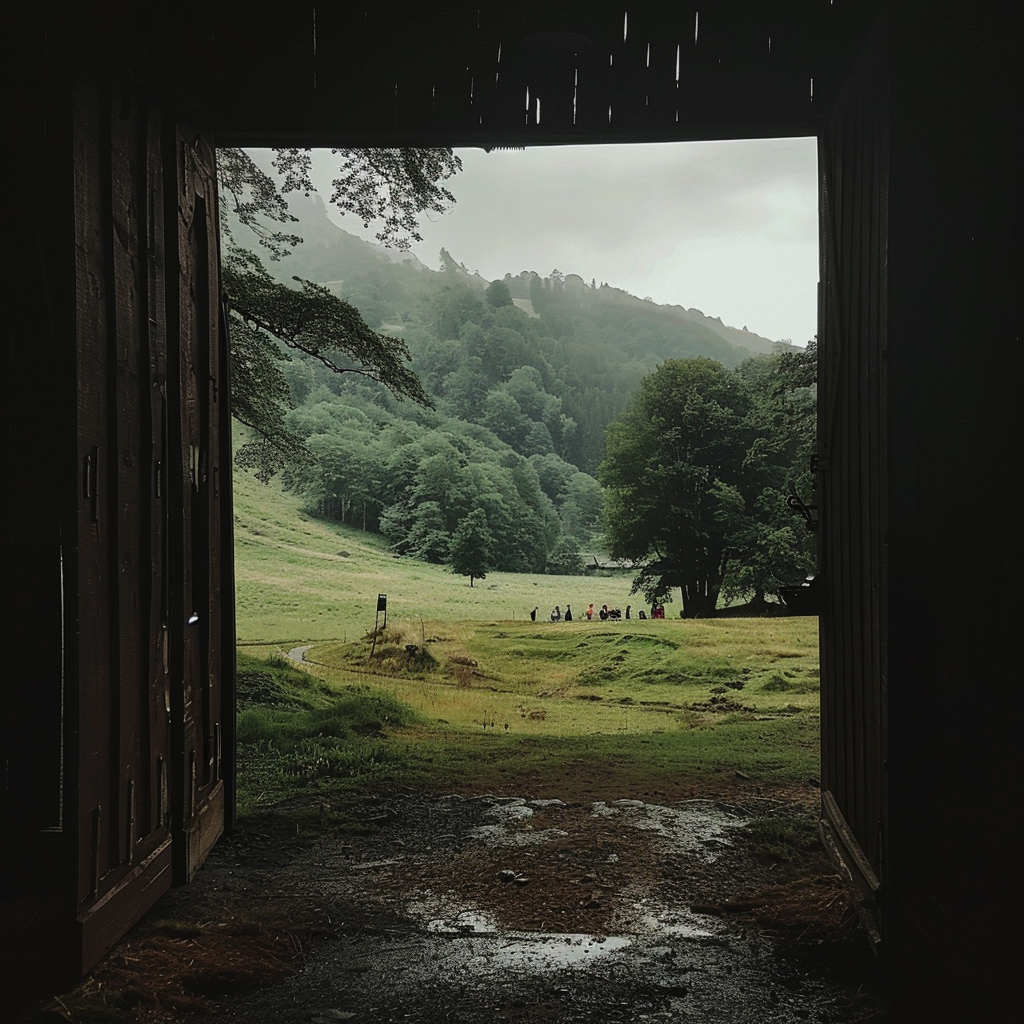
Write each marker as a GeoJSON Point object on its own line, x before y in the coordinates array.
{"type": "Point", "coordinates": [498, 907]}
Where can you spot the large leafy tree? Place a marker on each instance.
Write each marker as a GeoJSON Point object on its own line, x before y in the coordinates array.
{"type": "Point", "coordinates": [389, 187]}
{"type": "Point", "coordinates": [769, 543]}
{"type": "Point", "coordinates": [683, 438]}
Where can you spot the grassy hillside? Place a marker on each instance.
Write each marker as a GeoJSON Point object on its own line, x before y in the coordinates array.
{"type": "Point", "coordinates": [464, 691]}
{"type": "Point", "coordinates": [301, 579]}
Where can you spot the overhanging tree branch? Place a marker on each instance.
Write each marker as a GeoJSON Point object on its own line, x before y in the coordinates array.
{"type": "Point", "coordinates": [394, 186]}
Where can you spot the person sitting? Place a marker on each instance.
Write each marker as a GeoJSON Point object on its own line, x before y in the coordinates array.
{"type": "Point", "coordinates": [628, 609]}
{"type": "Point", "coordinates": [533, 615]}
{"type": "Point", "coordinates": [603, 613]}
{"type": "Point", "coordinates": [568, 613]}
{"type": "Point", "coordinates": [643, 614]}
{"type": "Point", "coordinates": [556, 614]}
{"type": "Point", "coordinates": [590, 612]}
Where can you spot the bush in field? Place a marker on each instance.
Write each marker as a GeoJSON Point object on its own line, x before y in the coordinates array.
{"type": "Point", "coordinates": [361, 712]}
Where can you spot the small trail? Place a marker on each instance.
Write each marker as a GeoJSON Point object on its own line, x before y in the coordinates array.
{"type": "Point", "coordinates": [299, 653]}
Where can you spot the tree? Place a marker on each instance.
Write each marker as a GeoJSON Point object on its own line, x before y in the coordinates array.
{"type": "Point", "coordinates": [770, 547]}
{"type": "Point", "coordinates": [391, 187]}
{"type": "Point", "coordinates": [582, 507]}
{"type": "Point", "coordinates": [471, 547]}
{"type": "Point", "coordinates": [565, 559]}
{"type": "Point", "coordinates": [498, 294]}
{"type": "Point", "coordinates": [668, 456]}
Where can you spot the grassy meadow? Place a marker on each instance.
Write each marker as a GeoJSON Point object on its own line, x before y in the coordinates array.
{"type": "Point", "coordinates": [300, 579]}
{"type": "Point", "coordinates": [463, 690]}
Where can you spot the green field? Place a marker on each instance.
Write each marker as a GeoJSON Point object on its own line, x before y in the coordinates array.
{"type": "Point", "coordinates": [300, 579]}
{"type": "Point", "coordinates": [462, 689]}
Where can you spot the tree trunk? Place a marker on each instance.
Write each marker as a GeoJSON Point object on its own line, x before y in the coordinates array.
{"type": "Point", "coordinates": [700, 599]}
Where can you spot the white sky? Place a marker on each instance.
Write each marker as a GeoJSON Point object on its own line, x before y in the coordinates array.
{"type": "Point", "coordinates": [730, 228]}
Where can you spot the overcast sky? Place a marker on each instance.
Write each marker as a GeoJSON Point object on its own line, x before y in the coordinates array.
{"type": "Point", "coordinates": [729, 228]}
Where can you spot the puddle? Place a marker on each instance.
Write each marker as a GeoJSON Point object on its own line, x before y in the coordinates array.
{"type": "Point", "coordinates": [680, 924]}
{"type": "Point", "coordinates": [435, 951]}
{"type": "Point", "coordinates": [700, 827]}
{"type": "Point", "coordinates": [509, 815]}
{"type": "Point", "coordinates": [467, 923]}
{"type": "Point", "coordinates": [540, 952]}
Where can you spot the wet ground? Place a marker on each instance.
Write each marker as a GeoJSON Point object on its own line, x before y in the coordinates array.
{"type": "Point", "coordinates": [491, 908]}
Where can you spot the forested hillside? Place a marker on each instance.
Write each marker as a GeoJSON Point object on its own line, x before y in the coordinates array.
{"type": "Point", "coordinates": [590, 343]}
{"type": "Point", "coordinates": [524, 373]}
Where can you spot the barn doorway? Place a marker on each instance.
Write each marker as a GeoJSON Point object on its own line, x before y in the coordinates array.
{"type": "Point", "coordinates": [437, 664]}
{"type": "Point", "coordinates": [768, 185]}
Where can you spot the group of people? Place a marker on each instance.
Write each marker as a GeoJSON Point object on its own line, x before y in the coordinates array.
{"type": "Point", "coordinates": [604, 613]}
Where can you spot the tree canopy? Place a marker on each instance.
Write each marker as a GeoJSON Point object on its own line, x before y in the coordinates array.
{"type": "Point", "coordinates": [696, 474]}
{"type": "Point", "coordinates": [470, 553]}
{"type": "Point", "coordinates": [680, 440]}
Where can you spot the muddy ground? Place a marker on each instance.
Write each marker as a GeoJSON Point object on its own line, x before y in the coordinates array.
{"type": "Point", "coordinates": [480, 908]}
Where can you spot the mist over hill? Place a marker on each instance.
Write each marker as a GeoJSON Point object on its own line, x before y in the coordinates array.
{"type": "Point", "coordinates": [331, 255]}
{"type": "Point", "coordinates": [525, 373]}
{"type": "Point", "coordinates": [591, 343]}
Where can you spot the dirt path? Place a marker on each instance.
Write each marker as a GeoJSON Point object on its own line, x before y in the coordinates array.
{"type": "Point", "coordinates": [496, 908]}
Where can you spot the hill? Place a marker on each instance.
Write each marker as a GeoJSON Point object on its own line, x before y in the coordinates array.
{"type": "Point", "coordinates": [332, 256]}
{"type": "Point", "coordinates": [590, 344]}
{"type": "Point", "coordinates": [300, 578]}
{"type": "Point", "coordinates": [524, 373]}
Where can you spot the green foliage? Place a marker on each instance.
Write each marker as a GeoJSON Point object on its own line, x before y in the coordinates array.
{"type": "Point", "coordinates": [667, 456]}
{"type": "Point", "coordinates": [273, 682]}
{"type": "Point", "coordinates": [565, 559]}
{"type": "Point", "coordinates": [360, 711]}
{"type": "Point", "coordinates": [498, 294]}
{"type": "Point", "coordinates": [293, 731]}
{"type": "Point", "coordinates": [521, 404]}
{"type": "Point", "coordinates": [471, 546]}
{"type": "Point", "coordinates": [391, 186]}
{"type": "Point", "coordinates": [309, 320]}
{"type": "Point", "coordinates": [697, 471]}
{"type": "Point", "coordinates": [784, 837]}
{"type": "Point", "coordinates": [582, 507]}
{"type": "Point", "coordinates": [771, 547]}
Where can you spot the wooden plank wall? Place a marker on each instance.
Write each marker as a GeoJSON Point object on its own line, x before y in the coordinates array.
{"type": "Point", "coordinates": [852, 472]}
{"type": "Point", "coordinates": [113, 738]}
{"type": "Point", "coordinates": [123, 736]}
{"type": "Point", "coordinates": [954, 369]}
{"type": "Point", "coordinates": [198, 462]}
{"type": "Point", "coordinates": [37, 401]}
{"type": "Point", "coordinates": [153, 437]}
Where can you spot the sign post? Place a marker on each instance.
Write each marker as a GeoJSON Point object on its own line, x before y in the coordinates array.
{"type": "Point", "coordinates": [382, 606]}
